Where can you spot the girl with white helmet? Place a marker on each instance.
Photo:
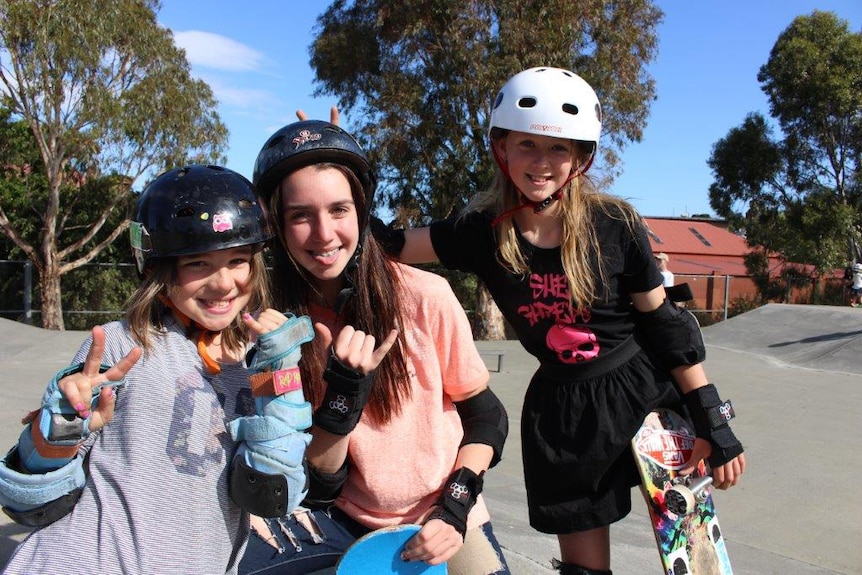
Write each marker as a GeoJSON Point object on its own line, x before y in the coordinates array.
{"type": "Point", "coordinates": [572, 271]}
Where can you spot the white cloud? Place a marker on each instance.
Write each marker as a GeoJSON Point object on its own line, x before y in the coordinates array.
{"type": "Point", "coordinates": [219, 52]}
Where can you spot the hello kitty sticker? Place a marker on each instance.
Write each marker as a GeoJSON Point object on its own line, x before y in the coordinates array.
{"type": "Point", "coordinates": [222, 222]}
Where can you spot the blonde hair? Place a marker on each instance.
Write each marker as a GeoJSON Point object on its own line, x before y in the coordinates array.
{"type": "Point", "coordinates": [580, 249]}
{"type": "Point", "coordinates": [146, 311]}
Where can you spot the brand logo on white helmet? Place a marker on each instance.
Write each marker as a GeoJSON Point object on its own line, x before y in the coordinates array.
{"type": "Point", "coordinates": [545, 128]}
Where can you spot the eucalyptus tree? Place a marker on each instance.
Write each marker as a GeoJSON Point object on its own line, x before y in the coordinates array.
{"type": "Point", "coordinates": [107, 96]}
{"type": "Point", "coordinates": [416, 79]}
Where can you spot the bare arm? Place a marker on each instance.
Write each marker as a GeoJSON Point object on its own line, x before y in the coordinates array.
{"type": "Point", "coordinates": [418, 248]}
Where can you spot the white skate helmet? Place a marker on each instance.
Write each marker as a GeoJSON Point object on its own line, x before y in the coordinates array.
{"type": "Point", "coordinates": [548, 102]}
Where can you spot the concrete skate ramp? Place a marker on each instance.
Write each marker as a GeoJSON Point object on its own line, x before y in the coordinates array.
{"type": "Point", "coordinates": [811, 336]}
{"type": "Point", "coordinates": [801, 430]}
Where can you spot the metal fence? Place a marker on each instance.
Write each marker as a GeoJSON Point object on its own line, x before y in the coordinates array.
{"type": "Point", "coordinates": [86, 299]}
{"type": "Point", "coordinates": [86, 302]}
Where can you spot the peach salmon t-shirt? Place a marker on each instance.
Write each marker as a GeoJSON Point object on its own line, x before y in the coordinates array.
{"type": "Point", "coordinates": [397, 472]}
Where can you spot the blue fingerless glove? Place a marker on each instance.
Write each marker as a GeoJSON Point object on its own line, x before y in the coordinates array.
{"type": "Point", "coordinates": [268, 476]}
{"type": "Point", "coordinates": [58, 428]}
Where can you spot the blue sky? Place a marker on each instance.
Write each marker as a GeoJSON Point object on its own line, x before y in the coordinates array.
{"type": "Point", "coordinates": [254, 55]}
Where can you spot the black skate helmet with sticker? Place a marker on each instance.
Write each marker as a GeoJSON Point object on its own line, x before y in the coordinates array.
{"type": "Point", "coordinates": [195, 209]}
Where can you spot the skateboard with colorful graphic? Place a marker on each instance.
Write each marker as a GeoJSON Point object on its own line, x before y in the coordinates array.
{"type": "Point", "coordinates": [681, 508]}
{"type": "Point", "coordinates": [379, 553]}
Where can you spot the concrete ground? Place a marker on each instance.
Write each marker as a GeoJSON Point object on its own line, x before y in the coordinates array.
{"type": "Point", "coordinates": [794, 374]}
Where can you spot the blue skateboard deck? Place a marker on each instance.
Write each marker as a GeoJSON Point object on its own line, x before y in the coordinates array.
{"type": "Point", "coordinates": [379, 553]}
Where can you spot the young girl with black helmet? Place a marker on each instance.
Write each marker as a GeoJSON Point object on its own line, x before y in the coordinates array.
{"type": "Point", "coordinates": [573, 273]}
{"type": "Point", "coordinates": [404, 430]}
{"type": "Point", "coordinates": [125, 467]}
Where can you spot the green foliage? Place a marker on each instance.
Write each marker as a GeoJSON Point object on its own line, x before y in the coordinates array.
{"type": "Point", "coordinates": [742, 304]}
{"type": "Point", "coordinates": [800, 194]}
{"type": "Point", "coordinates": [418, 77]}
{"type": "Point", "coordinates": [107, 99]}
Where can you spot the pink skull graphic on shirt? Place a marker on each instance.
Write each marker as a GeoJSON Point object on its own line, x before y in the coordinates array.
{"type": "Point", "coordinates": [572, 344]}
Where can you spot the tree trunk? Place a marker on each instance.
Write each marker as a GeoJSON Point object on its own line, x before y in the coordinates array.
{"type": "Point", "coordinates": [52, 307]}
{"type": "Point", "coordinates": [489, 323]}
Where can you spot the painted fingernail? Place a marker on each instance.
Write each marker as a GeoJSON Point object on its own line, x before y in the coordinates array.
{"type": "Point", "coordinates": [79, 407]}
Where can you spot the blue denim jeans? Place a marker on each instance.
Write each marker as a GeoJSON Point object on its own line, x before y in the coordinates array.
{"type": "Point", "coordinates": [300, 553]}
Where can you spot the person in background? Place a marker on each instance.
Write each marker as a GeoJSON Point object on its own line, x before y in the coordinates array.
{"type": "Point", "coordinates": [855, 283]}
{"type": "Point", "coordinates": [661, 260]}
{"type": "Point", "coordinates": [572, 271]}
{"type": "Point", "coordinates": [126, 466]}
{"type": "Point", "coordinates": [405, 425]}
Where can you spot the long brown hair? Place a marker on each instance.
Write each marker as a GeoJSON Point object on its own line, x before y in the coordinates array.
{"type": "Point", "coordinates": [580, 249]}
{"type": "Point", "coordinates": [375, 307]}
{"type": "Point", "coordinates": [147, 313]}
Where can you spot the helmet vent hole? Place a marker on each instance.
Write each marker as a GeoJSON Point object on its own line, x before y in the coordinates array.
{"type": "Point", "coordinates": [497, 101]}
{"type": "Point", "coordinates": [275, 142]}
{"type": "Point", "coordinates": [527, 102]}
{"type": "Point", "coordinates": [245, 204]}
{"type": "Point", "coordinates": [570, 109]}
{"type": "Point", "coordinates": [186, 212]}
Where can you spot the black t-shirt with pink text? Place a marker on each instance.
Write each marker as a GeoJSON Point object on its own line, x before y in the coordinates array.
{"type": "Point", "coordinates": [537, 304]}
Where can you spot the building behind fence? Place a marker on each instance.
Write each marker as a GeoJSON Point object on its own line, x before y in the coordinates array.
{"type": "Point", "coordinates": [95, 293]}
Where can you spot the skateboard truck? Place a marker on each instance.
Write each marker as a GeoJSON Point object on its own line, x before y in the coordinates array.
{"type": "Point", "coordinates": [688, 492]}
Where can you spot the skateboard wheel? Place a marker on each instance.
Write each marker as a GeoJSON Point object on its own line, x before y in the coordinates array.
{"type": "Point", "coordinates": [679, 500]}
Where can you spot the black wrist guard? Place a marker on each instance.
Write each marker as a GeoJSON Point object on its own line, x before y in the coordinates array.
{"type": "Point", "coordinates": [710, 416]}
{"type": "Point", "coordinates": [324, 488]}
{"type": "Point", "coordinates": [391, 240]}
{"type": "Point", "coordinates": [458, 498]}
{"type": "Point", "coordinates": [347, 392]}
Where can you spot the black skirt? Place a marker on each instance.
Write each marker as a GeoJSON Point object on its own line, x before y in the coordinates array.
{"type": "Point", "coordinates": [576, 431]}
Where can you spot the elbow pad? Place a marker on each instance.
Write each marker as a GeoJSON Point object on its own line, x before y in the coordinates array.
{"type": "Point", "coordinates": [261, 493]}
{"type": "Point", "coordinates": [671, 334]}
{"type": "Point", "coordinates": [39, 499]}
{"type": "Point", "coordinates": [484, 420]}
{"type": "Point", "coordinates": [268, 476]}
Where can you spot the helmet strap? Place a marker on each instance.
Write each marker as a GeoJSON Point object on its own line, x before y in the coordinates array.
{"type": "Point", "coordinates": [202, 337]}
{"type": "Point", "coordinates": [538, 207]}
{"type": "Point", "coordinates": [349, 288]}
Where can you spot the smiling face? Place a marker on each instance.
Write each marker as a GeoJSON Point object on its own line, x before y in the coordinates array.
{"type": "Point", "coordinates": [214, 287]}
{"type": "Point", "coordinates": [537, 165]}
{"type": "Point", "coordinates": [320, 226]}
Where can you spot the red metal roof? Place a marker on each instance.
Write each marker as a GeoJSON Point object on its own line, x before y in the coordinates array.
{"type": "Point", "coordinates": [699, 246]}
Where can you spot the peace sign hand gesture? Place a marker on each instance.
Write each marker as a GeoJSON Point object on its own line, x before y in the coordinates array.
{"type": "Point", "coordinates": [78, 388]}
